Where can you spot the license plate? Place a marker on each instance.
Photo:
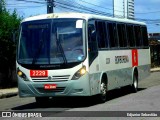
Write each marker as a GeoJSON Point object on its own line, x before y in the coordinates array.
{"type": "Point", "coordinates": [38, 73]}
{"type": "Point", "coordinates": [50, 86]}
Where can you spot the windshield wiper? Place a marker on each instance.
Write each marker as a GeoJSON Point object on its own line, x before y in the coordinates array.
{"type": "Point", "coordinates": [38, 51]}
{"type": "Point", "coordinates": [61, 48]}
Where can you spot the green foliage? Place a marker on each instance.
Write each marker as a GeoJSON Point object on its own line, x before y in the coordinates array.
{"type": "Point", "coordinates": [9, 26]}
{"type": "Point", "coordinates": [2, 5]}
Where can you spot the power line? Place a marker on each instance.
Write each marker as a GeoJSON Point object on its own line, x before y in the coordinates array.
{"type": "Point", "coordinates": [82, 7]}
{"type": "Point", "coordinates": [92, 5]}
{"type": "Point", "coordinates": [147, 12]}
{"type": "Point", "coordinates": [27, 6]}
{"type": "Point", "coordinates": [74, 6]}
{"type": "Point", "coordinates": [30, 1]}
{"type": "Point", "coordinates": [96, 5]}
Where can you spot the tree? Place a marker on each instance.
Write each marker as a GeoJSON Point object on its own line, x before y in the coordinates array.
{"type": "Point", "coordinates": [9, 25]}
{"type": "Point", "coordinates": [2, 5]}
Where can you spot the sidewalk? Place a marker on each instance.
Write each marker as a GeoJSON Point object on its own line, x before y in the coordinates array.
{"type": "Point", "coordinates": [155, 69]}
{"type": "Point", "coordinates": [4, 93]}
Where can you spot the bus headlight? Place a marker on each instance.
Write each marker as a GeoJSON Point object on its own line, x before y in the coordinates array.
{"type": "Point", "coordinates": [22, 75]}
{"type": "Point", "coordinates": [79, 73]}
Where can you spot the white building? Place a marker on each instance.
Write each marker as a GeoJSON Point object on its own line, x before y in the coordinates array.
{"type": "Point", "coordinates": [123, 8]}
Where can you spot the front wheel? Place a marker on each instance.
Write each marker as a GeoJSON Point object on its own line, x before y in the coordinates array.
{"type": "Point", "coordinates": [103, 90]}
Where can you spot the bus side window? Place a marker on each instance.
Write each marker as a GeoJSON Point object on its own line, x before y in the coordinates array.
{"type": "Point", "coordinates": [138, 36]}
{"type": "Point", "coordinates": [130, 36]}
{"type": "Point", "coordinates": [92, 38]}
{"type": "Point", "coordinates": [112, 32]}
{"type": "Point", "coordinates": [92, 42]}
{"type": "Point", "coordinates": [122, 35]}
{"type": "Point", "coordinates": [91, 33]}
{"type": "Point", "coordinates": [101, 34]}
{"type": "Point", "coordinates": [145, 36]}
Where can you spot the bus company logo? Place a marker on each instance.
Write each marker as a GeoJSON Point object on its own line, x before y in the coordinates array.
{"type": "Point", "coordinates": [121, 59]}
{"type": "Point", "coordinates": [51, 78]}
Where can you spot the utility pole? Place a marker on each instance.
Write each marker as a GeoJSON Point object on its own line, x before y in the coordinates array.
{"type": "Point", "coordinates": [50, 5]}
{"type": "Point", "coordinates": [113, 8]}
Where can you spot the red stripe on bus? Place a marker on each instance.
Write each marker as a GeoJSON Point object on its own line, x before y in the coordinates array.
{"type": "Point", "coordinates": [134, 57]}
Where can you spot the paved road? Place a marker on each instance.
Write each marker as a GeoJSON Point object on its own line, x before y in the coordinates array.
{"type": "Point", "coordinates": [147, 99]}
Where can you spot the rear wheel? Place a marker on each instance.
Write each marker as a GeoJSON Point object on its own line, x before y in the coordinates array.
{"type": "Point", "coordinates": [134, 86]}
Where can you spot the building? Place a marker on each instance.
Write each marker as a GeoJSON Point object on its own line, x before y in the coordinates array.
{"type": "Point", "coordinates": [123, 8]}
{"type": "Point", "coordinates": [155, 36]}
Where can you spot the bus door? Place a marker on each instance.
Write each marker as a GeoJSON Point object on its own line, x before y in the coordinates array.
{"type": "Point", "coordinates": [93, 57]}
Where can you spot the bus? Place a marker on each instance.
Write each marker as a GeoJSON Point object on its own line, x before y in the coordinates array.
{"type": "Point", "coordinates": [78, 54]}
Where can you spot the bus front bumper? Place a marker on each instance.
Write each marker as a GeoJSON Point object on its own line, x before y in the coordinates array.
{"type": "Point", "coordinates": [80, 87]}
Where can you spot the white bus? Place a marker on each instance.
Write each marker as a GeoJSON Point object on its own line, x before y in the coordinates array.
{"type": "Point", "coordinates": [76, 54]}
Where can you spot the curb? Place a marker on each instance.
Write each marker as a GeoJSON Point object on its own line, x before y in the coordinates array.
{"type": "Point", "coordinates": [155, 70]}
{"type": "Point", "coordinates": [7, 95]}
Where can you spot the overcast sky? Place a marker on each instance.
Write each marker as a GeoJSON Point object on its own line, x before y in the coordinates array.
{"type": "Point", "coordinates": [148, 10]}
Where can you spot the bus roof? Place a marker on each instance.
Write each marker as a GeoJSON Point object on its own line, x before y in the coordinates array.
{"type": "Point", "coordinates": [82, 16]}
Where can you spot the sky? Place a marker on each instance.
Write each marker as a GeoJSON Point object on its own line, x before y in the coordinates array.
{"type": "Point", "coordinates": [145, 10]}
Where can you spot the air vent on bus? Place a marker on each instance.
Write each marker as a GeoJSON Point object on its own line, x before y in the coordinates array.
{"type": "Point", "coordinates": [52, 79]}
{"type": "Point", "coordinates": [60, 78]}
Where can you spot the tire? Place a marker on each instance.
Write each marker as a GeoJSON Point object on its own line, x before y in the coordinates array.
{"type": "Point", "coordinates": [102, 97]}
{"type": "Point", "coordinates": [42, 100]}
{"type": "Point", "coordinates": [134, 86]}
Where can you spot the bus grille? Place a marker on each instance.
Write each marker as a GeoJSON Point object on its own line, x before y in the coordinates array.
{"type": "Point", "coordinates": [52, 79]}
{"type": "Point", "coordinates": [58, 89]}
{"type": "Point", "coordinates": [59, 78]}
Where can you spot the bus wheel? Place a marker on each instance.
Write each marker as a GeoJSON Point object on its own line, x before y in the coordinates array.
{"type": "Point", "coordinates": [103, 89]}
{"type": "Point", "coordinates": [42, 100]}
{"type": "Point", "coordinates": [134, 87]}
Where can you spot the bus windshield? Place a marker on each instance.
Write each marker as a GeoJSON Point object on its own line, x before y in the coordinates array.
{"type": "Point", "coordinates": [58, 41]}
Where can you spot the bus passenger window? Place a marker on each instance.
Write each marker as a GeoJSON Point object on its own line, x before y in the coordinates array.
{"type": "Point", "coordinates": [91, 33]}
{"type": "Point", "coordinates": [112, 32]}
{"type": "Point", "coordinates": [130, 36]}
{"type": "Point", "coordinates": [145, 36]}
{"type": "Point", "coordinates": [138, 36]}
{"type": "Point", "coordinates": [101, 34]}
{"type": "Point", "coordinates": [92, 42]}
{"type": "Point", "coordinates": [122, 35]}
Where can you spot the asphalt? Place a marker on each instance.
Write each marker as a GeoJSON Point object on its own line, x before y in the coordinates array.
{"type": "Point", "coordinates": [9, 92]}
